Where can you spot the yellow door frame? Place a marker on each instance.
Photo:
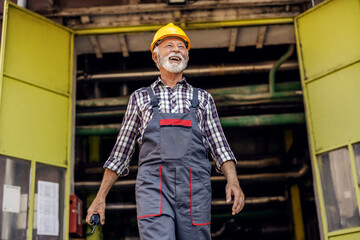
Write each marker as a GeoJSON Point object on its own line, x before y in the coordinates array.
{"type": "Point", "coordinates": [66, 164]}
{"type": "Point", "coordinates": [324, 43]}
{"type": "Point", "coordinates": [99, 31]}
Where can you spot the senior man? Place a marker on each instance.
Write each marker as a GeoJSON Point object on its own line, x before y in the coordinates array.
{"type": "Point", "coordinates": [175, 125]}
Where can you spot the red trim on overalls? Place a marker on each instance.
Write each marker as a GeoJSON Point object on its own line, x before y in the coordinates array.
{"type": "Point", "coordinates": [195, 224]}
{"type": "Point", "coordinates": [175, 122]}
{"type": "Point", "coordinates": [154, 215]}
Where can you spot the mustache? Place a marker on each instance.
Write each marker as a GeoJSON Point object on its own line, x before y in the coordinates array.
{"type": "Point", "coordinates": [172, 54]}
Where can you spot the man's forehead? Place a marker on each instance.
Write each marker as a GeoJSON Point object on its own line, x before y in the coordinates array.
{"type": "Point", "coordinates": [174, 40]}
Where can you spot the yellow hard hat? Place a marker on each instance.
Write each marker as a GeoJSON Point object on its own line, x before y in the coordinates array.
{"type": "Point", "coordinates": [170, 30]}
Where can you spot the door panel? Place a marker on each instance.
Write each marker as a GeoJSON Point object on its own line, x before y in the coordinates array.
{"type": "Point", "coordinates": [329, 38]}
{"type": "Point", "coordinates": [37, 51]}
{"type": "Point", "coordinates": [328, 45]}
{"type": "Point", "coordinates": [36, 82]}
{"type": "Point", "coordinates": [36, 74]}
{"type": "Point", "coordinates": [332, 102]}
{"type": "Point", "coordinates": [33, 123]}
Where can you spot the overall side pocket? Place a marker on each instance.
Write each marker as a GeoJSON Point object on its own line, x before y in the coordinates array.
{"type": "Point", "coordinates": [149, 193]}
{"type": "Point", "coordinates": [200, 200]}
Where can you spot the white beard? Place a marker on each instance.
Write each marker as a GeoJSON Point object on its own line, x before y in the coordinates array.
{"type": "Point", "coordinates": [172, 67]}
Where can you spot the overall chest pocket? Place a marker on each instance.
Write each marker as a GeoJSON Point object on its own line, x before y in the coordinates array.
{"type": "Point", "coordinates": [175, 136]}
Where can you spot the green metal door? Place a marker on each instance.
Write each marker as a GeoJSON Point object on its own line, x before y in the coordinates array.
{"type": "Point", "coordinates": [36, 91]}
{"type": "Point", "coordinates": [328, 44]}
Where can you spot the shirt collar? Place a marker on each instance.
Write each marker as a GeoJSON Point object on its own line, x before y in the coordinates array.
{"type": "Point", "coordinates": [159, 82]}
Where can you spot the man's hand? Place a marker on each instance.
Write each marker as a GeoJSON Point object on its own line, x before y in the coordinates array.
{"type": "Point", "coordinates": [97, 207]}
{"type": "Point", "coordinates": [233, 187]}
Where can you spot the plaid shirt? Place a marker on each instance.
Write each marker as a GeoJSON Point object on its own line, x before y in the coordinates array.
{"type": "Point", "coordinates": [171, 100]}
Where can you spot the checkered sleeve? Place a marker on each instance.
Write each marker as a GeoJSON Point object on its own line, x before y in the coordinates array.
{"type": "Point", "coordinates": [124, 147]}
{"type": "Point", "coordinates": [219, 147]}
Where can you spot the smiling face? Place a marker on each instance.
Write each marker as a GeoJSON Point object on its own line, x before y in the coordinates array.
{"type": "Point", "coordinates": [171, 55]}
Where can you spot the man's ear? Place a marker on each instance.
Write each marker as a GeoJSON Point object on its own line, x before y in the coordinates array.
{"type": "Point", "coordinates": [155, 57]}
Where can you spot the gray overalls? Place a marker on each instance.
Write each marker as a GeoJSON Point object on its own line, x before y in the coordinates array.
{"type": "Point", "coordinates": [173, 188]}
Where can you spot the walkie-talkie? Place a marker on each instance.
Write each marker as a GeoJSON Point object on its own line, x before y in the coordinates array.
{"type": "Point", "coordinates": [95, 221]}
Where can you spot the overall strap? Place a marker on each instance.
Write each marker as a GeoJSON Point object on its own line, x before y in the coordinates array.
{"type": "Point", "coordinates": [154, 100]}
{"type": "Point", "coordinates": [195, 100]}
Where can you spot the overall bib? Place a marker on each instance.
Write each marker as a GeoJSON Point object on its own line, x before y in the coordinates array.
{"type": "Point", "coordinates": [173, 188]}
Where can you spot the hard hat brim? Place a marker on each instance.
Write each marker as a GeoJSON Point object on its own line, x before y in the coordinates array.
{"type": "Point", "coordinates": [184, 38]}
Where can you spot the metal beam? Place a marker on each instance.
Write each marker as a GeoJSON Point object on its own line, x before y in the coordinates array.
{"type": "Point", "coordinates": [241, 121]}
{"type": "Point", "coordinates": [261, 163]}
{"type": "Point", "coordinates": [98, 129]}
{"type": "Point", "coordinates": [185, 26]}
{"type": "Point", "coordinates": [96, 46]}
{"type": "Point", "coordinates": [195, 71]}
{"type": "Point", "coordinates": [85, 19]}
{"type": "Point", "coordinates": [297, 213]}
{"type": "Point", "coordinates": [220, 99]}
{"type": "Point", "coordinates": [261, 37]}
{"type": "Point", "coordinates": [246, 177]}
{"type": "Point", "coordinates": [233, 38]}
{"type": "Point", "coordinates": [255, 89]}
{"type": "Point", "coordinates": [123, 45]}
{"type": "Point", "coordinates": [163, 7]}
{"type": "Point", "coordinates": [103, 102]}
{"type": "Point", "coordinates": [100, 114]}
{"type": "Point", "coordinates": [248, 201]}
{"type": "Point", "coordinates": [270, 213]}
{"type": "Point", "coordinates": [263, 120]}
{"type": "Point", "coordinates": [267, 176]}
